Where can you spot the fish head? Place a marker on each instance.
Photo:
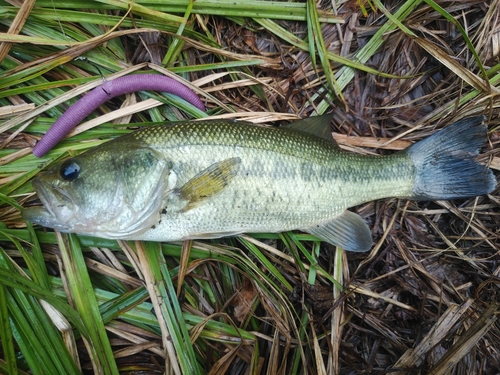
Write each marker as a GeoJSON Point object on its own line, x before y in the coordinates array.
{"type": "Point", "coordinates": [113, 191]}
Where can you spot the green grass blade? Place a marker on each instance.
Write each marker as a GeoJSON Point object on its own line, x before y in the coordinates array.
{"type": "Point", "coordinates": [460, 28]}
{"type": "Point", "coordinates": [346, 74]}
{"type": "Point", "coordinates": [190, 364]}
{"type": "Point", "coordinates": [136, 8]}
{"type": "Point", "coordinates": [393, 19]}
{"type": "Point", "coordinates": [294, 11]}
{"type": "Point", "coordinates": [299, 43]}
{"type": "Point", "coordinates": [311, 32]}
{"type": "Point", "coordinates": [6, 337]}
{"type": "Point", "coordinates": [270, 268]}
{"type": "Point", "coordinates": [86, 304]}
{"type": "Point", "coordinates": [292, 242]}
{"type": "Point", "coordinates": [122, 303]}
{"type": "Point", "coordinates": [316, 39]}
{"type": "Point", "coordinates": [176, 45]}
{"type": "Point", "coordinates": [158, 281]}
{"type": "Point", "coordinates": [39, 340]}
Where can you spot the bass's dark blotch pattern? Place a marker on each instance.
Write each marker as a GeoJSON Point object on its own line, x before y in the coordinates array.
{"type": "Point", "coordinates": [216, 178]}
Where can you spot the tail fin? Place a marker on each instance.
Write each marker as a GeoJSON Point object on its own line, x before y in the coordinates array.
{"type": "Point", "coordinates": [445, 163]}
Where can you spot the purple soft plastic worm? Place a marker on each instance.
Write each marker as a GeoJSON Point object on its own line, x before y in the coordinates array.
{"type": "Point", "coordinates": [119, 86]}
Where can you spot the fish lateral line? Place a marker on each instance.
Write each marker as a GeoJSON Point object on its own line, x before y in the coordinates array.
{"type": "Point", "coordinates": [218, 177]}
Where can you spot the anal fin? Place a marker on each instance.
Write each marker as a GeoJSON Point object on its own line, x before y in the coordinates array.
{"type": "Point", "coordinates": [348, 231]}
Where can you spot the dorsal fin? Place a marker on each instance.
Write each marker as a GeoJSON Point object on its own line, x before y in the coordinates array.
{"type": "Point", "coordinates": [317, 125]}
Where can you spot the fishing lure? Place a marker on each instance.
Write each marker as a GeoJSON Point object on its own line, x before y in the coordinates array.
{"type": "Point", "coordinates": [108, 90]}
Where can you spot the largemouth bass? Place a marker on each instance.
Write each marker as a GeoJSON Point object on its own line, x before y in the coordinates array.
{"type": "Point", "coordinates": [215, 178]}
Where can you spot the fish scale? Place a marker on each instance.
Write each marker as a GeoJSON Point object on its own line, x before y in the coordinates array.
{"type": "Point", "coordinates": [302, 181]}
{"type": "Point", "coordinates": [217, 178]}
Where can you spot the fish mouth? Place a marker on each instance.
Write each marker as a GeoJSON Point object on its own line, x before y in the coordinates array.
{"type": "Point", "coordinates": [57, 211]}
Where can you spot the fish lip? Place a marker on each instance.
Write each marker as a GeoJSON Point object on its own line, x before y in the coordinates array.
{"type": "Point", "coordinates": [45, 215]}
{"type": "Point", "coordinates": [42, 191]}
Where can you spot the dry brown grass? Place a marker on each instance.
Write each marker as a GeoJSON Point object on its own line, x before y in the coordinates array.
{"type": "Point", "coordinates": [425, 300]}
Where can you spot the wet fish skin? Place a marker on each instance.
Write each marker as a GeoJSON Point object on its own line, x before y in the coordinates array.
{"type": "Point", "coordinates": [216, 178]}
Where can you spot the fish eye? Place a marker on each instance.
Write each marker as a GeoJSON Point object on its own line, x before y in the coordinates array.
{"type": "Point", "coordinates": [70, 170]}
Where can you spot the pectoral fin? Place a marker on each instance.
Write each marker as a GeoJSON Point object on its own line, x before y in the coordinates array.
{"type": "Point", "coordinates": [349, 231]}
{"type": "Point", "coordinates": [209, 182]}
